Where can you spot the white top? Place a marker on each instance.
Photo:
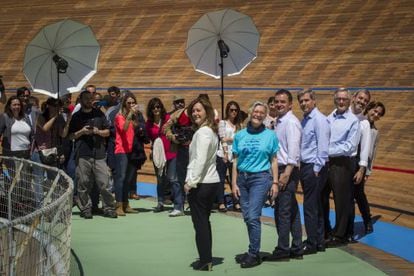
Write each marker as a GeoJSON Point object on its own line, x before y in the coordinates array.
{"type": "Point", "coordinates": [20, 133]}
{"type": "Point", "coordinates": [226, 130]}
{"type": "Point", "coordinates": [373, 150]}
{"type": "Point", "coordinates": [364, 140]}
{"type": "Point", "coordinates": [289, 133]}
{"type": "Point", "coordinates": [202, 165]}
{"type": "Point", "coordinates": [269, 122]}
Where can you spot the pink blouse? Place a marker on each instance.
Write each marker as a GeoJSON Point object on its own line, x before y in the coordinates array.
{"type": "Point", "coordinates": [153, 132]}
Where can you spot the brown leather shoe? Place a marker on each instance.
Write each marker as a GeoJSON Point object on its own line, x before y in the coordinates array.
{"type": "Point", "coordinates": [128, 209]}
{"type": "Point", "coordinates": [119, 209]}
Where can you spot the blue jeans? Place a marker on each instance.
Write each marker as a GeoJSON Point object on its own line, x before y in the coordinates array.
{"type": "Point", "coordinates": [287, 216]}
{"type": "Point", "coordinates": [169, 175]}
{"type": "Point", "coordinates": [125, 172]}
{"type": "Point", "coordinates": [254, 188]}
{"type": "Point", "coordinates": [177, 186]}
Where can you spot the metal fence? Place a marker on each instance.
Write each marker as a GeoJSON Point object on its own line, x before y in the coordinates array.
{"type": "Point", "coordinates": [35, 219]}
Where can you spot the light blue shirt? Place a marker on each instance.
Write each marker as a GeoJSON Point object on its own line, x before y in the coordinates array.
{"type": "Point", "coordinates": [345, 134]}
{"type": "Point", "coordinates": [255, 151]}
{"type": "Point", "coordinates": [315, 139]}
{"type": "Point", "coordinates": [288, 131]}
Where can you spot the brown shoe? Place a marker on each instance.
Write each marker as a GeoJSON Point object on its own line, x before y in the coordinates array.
{"type": "Point", "coordinates": [134, 196]}
{"type": "Point", "coordinates": [119, 209]}
{"type": "Point", "coordinates": [128, 209]}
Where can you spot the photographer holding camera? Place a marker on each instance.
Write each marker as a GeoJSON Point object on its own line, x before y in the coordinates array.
{"type": "Point", "coordinates": [89, 128]}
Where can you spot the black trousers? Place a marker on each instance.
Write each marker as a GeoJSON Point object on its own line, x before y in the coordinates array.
{"type": "Point", "coordinates": [340, 180]}
{"type": "Point", "coordinates": [312, 204]}
{"type": "Point", "coordinates": [201, 202]}
{"type": "Point", "coordinates": [362, 201]}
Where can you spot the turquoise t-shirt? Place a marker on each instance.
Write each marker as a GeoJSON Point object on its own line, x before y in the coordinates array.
{"type": "Point", "coordinates": [255, 151]}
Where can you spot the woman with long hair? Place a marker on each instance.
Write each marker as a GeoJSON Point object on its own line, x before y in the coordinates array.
{"type": "Point", "coordinates": [232, 123]}
{"type": "Point", "coordinates": [157, 116]}
{"type": "Point", "coordinates": [51, 128]}
{"type": "Point", "coordinates": [15, 129]}
{"type": "Point", "coordinates": [125, 123]}
{"type": "Point", "coordinates": [374, 111]}
{"type": "Point", "coordinates": [16, 132]}
{"type": "Point", "coordinates": [202, 178]}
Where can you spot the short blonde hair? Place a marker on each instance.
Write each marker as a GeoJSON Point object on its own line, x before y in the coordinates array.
{"type": "Point", "coordinates": [254, 105]}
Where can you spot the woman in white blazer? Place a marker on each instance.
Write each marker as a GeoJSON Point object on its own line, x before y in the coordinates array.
{"type": "Point", "coordinates": [202, 178]}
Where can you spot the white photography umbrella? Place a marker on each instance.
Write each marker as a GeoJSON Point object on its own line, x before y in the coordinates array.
{"type": "Point", "coordinates": [222, 43]}
{"type": "Point", "coordinates": [61, 58]}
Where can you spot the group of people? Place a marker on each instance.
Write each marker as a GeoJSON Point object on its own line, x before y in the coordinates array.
{"type": "Point", "coordinates": [263, 155]}
{"type": "Point", "coordinates": [270, 154]}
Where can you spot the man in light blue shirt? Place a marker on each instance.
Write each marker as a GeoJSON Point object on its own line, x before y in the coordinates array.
{"type": "Point", "coordinates": [344, 139]}
{"type": "Point", "coordinates": [313, 169]}
{"type": "Point", "coordinates": [287, 216]}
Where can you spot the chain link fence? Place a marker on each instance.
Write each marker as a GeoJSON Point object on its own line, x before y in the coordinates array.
{"type": "Point", "coordinates": [35, 219]}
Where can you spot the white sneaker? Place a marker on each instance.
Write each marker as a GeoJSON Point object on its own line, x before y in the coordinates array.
{"type": "Point", "coordinates": [176, 213]}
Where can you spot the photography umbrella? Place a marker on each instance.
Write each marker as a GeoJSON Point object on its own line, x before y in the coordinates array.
{"type": "Point", "coordinates": [61, 58]}
{"type": "Point", "coordinates": [222, 43]}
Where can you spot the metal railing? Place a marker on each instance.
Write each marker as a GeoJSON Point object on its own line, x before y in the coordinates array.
{"type": "Point", "coordinates": [35, 218]}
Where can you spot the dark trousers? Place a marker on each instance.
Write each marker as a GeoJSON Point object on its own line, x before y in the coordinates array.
{"type": "Point", "coordinates": [325, 193]}
{"type": "Point", "coordinates": [362, 201]}
{"type": "Point", "coordinates": [201, 202]}
{"type": "Point", "coordinates": [312, 204]}
{"type": "Point", "coordinates": [287, 216]}
{"type": "Point", "coordinates": [222, 169]}
{"type": "Point", "coordinates": [340, 179]}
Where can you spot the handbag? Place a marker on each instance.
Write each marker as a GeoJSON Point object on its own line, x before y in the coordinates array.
{"type": "Point", "coordinates": [49, 156]}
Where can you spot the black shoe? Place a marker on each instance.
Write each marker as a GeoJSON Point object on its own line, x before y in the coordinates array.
{"type": "Point", "coordinates": [321, 248]}
{"type": "Point", "coordinates": [250, 261]}
{"type": "Point", "coordinates": [277, 256]}
{"type": "Point", "coordinates": [159, 208]}
{"type": "Point", "coordinates": [86, 215]}
{"type": "Point", "coordinates": [309, 250]}
{"type": "Point", "coordinates": [110, 214]}
{"type": "Point", "coordinates": [203, 266]}
{"type": "Point", "coordinates": [336, 242]}
{"type": "Point", "coordinates": [222, 208]}
{"type": "Point", "coordinates": [240, 258]}
{"type": "Point", "coordinates": [97, 211]}
{"type": "Point", "coordinates": [369, 228]}
{"type": "Point", "coordinates": [296, 256]}
{"type": "Point", "coordinates": [351, 240]}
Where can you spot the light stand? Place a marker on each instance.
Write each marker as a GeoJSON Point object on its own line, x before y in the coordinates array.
{"type": "Point", "coordinates": [61, 66]}
{"type": "Point", "coordinates": [224, 51]}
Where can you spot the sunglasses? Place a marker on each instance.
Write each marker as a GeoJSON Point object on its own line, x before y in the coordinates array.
{"type": "Point", "coordinates": [130, 103]}
{"type": "Point", "coordinates": [156, 107]}
{"type": "Point", "coordinates": [234, 110]}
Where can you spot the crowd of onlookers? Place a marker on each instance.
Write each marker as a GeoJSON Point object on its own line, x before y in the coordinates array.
{"type": "Point", "coordinates": [262, 153]}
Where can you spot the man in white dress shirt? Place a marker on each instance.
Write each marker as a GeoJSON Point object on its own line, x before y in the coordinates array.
{"type": "Point", "coordinates": [360, 99]}
{"type": "Point", "coordinates": [287, 216]}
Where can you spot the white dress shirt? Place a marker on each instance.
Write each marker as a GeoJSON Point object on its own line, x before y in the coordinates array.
{"type": "Point", "coordinates": [203, 153]}
{"type": "Point", "coordinates": [288, 131]}
{"type": "Point", "coordinates": [364, 140]}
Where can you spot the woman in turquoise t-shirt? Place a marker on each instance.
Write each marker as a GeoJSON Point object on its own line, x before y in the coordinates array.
{"type": "Point", "coordinates": [254, 164]}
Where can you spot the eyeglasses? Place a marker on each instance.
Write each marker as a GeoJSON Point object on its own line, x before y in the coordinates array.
{"type": "Point", "coordinates": [234, 110]}
{"type": "Point", "coordinates": [130, 103]}
{"type": "Point", "coordinates": [179, 102]}
{"type": "Point", "coordinates": [156, 107]}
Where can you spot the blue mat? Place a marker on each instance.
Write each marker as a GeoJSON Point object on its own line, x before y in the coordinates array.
{"type": "Point", "coordinates": [391, 238]}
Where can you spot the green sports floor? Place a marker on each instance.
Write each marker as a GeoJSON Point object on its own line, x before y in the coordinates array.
{"type": "Point", "coordinates": [154, 244]}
